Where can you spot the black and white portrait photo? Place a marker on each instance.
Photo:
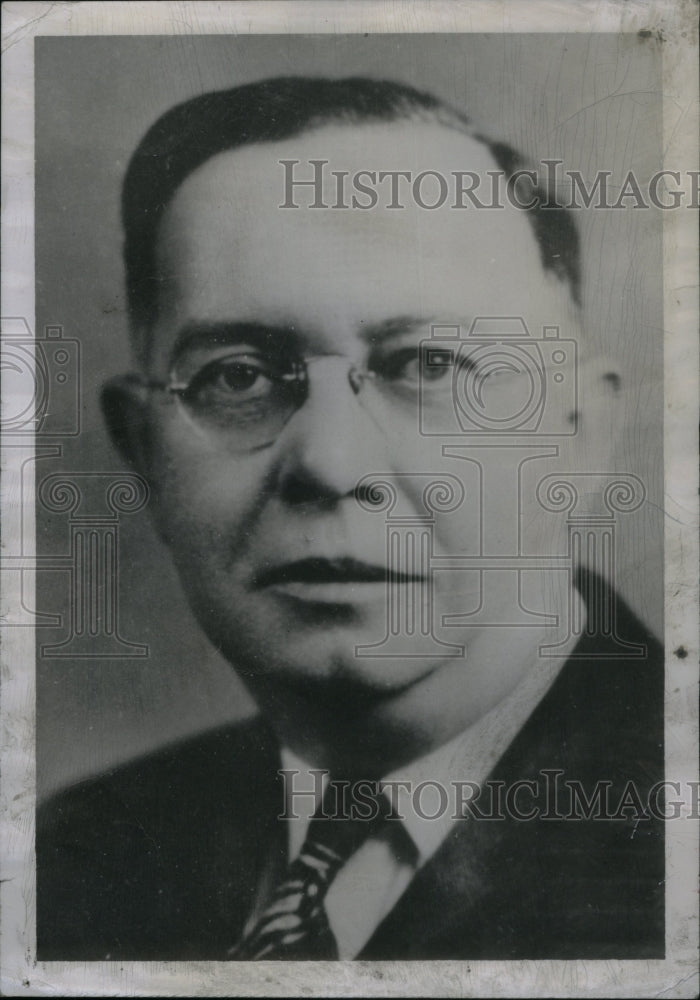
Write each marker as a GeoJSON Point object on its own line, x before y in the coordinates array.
{"type": "Point", "coordinates": [345, 501]}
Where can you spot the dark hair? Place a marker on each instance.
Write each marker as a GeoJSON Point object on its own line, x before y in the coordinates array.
{"type": "Point", "coordinates": [189, 134]}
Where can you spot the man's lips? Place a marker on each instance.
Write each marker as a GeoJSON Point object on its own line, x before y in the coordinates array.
{"type": "Point", "coordinates": [321, 570]}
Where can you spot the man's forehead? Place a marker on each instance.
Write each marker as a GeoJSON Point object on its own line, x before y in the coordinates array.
{"type": "Point", "coordinates": [236, 197]}
{"type": "Point", "coordinates": [227, 250]}
{"type": "Point", "coordinates": [238, 204]}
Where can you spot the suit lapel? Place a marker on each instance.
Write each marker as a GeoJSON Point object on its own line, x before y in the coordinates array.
{"type": "Point", "coordinates": [500, 888]}
{"type": "Point", "coordinates": [465, 900]}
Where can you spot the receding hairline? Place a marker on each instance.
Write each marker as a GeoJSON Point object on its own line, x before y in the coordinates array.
{"type": "Point", "coordinates": [166, 158]}
{"type": "Point", "coordinates": [328, 157]}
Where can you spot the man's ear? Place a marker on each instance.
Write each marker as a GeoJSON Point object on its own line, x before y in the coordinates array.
{"type": "Point", "coordinates": [125, 408]}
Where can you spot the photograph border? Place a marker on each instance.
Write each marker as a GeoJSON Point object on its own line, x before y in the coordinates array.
{"type": "Point", "coordinates": [675, 24]}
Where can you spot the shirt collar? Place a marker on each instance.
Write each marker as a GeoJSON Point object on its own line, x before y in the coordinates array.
{"type": "Point", "coordinates": [470, 756]}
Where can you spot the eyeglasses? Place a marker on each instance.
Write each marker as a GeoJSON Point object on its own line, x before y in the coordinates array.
{"type": "Point", "coordinates": [243, 399]}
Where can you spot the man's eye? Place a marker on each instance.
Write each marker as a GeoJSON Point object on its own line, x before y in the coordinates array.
{"type": "Point", "coordinates": [437, 364]}
{"type": "Point", "coordinates": [240, 378]}
{"type": "Point", "coordinates": [416, 364]}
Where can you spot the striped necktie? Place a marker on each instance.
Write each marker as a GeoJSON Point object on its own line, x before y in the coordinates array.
{"type": "Point", "coordinates": [295, 926]}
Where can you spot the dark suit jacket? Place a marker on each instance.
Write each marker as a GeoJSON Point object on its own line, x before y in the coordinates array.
{"type": "Point", "coordinates": [160, 859]}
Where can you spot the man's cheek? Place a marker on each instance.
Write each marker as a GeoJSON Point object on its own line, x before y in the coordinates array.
{"type": "Point", "coordinates": [182, 514]}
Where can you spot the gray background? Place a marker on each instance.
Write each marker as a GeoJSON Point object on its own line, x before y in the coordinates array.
{"type": "Point", "coordinates": [593, 101]}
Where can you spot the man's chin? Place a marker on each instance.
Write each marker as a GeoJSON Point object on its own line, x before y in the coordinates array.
{"type": "Point", "coordinates": [366, 718]}
{"type": "Point", "coordinates": [357, 707]}
{"type": "Point", "coordinates": [355, 670]}
{"type": "Point", "coordinates": [335, 666]}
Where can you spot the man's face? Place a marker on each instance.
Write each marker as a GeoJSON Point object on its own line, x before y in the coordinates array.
{"type": "Point", "coordinates": [282, 565]}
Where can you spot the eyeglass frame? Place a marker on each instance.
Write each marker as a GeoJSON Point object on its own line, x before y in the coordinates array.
{"type": "Point", "coordinates": [357, 375]}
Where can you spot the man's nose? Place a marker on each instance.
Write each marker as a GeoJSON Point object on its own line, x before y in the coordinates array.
{"type": "Point", "coordinates": [332, 440]}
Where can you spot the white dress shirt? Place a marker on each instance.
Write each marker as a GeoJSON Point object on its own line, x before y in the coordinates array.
{"type": "Point", "coordinates": [370, 884]}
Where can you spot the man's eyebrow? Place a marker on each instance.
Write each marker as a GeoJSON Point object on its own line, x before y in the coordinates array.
{"type": "Point", "coordinates": [375, 333]}
{"type": "Point", "coordinates": [200, 335]}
